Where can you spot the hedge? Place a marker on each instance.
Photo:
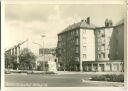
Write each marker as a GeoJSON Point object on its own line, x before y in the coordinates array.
{"type": "Point", "coordinates": [111, 78]}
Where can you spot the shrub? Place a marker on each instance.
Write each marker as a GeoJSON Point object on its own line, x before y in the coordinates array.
{"type": "Point", "coordinates": [112, 78]}
{"type": "Point", "coordinates": [51, 72]}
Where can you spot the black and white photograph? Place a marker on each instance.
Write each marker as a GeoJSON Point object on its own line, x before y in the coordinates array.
{"type": "Point", "coordinates": [64, 45]}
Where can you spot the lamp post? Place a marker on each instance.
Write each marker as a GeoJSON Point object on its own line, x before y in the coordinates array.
{"type": "Point", "coordinates": [43, 52]}
{"type": "Point", "coordinates": [38, 52]}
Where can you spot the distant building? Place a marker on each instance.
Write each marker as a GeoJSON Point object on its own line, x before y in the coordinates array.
{"type": "Point", "coordinates": [85, 47]}
{"type": "Point", "coordinates": [16, 50]}
{"type": "Point", "coordinates": [47, 59]}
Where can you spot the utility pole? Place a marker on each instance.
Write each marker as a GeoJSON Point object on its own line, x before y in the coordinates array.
{"type": "Point", "coordinates": [43, 53]}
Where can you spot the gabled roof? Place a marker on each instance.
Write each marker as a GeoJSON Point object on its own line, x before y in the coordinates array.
{"type": "Point", "coordinates": [120, 22]}
{"type": "Point", "coordinates": [81, 24]}
{"type": "Point", "coordinates": [84, 24]}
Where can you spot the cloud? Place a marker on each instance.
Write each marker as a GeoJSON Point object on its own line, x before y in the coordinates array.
{"type": "Point", "coordinates": [18, 30]}
{"type": "Point", "coordinates": [46, 12]}
{"type": "Point", "coordinates": [28, 12]}
{"type": "Point", "coordinates": [30, 21]}
{"type": "Point", "coordinates": [97, 12]}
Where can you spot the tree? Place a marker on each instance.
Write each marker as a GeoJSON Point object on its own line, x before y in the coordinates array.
{"type": "Point", "coordinates": [9, 61]}
{"type": "Point", "coordinates": [27, 60]}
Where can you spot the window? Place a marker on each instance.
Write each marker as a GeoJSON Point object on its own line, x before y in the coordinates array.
{"type": "Point", "coordinates": [102, 47]}
{"type": "Point", "coordinates": [84, 31]}
{"type": "Point", "coordinates": [117, 31]}
{"type": "Point", "coordinates": [77, 49]}
{"type": "Point", "coordinates": [103, 55]}
{"type": "Point", "coordinates": [99, 41]}
{"type": "Point", "coordinates": [102, 31]}
{"type": "Point", "coordinates": [77, 41]}
{"type": "Point", "coordinates": [84, 56]}
{"type": "Point", "coordinates": [59, 38]}
{"type": "Point", "coordinates": [99, 56]}
{"type": "Point", "coordinates": [98, 48]}
{"type": "Point", "coordinates": [77, 58]}
{"type": "Point", "coordinates": [84, 40]}
{"type": "Point", "coordinates": [71, 33]}
{"type": "Point", "coordinates": [84, 48]}
{"type": "Point", "coordinates": [102, 40]}
{"type": "Point", "coordinates": [59, 44]}
{"type": "Point", "coordinates": [103, 35]}
{"type": "Point", "coordinates": [108, 47]}
{"type": "Point", "coordinates": [99, 31]}
{"type": "Point", "coordinates": [77, 32]}
{"type": "Point", "coordinates": [108, 55]}
{"type": "Point", "coordinates": [103, 44]}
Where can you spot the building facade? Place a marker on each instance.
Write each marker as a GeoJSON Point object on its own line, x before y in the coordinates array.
{"type": "Point", "coordinates": [15, 51]}
{"type": "Point", "coordinates": [47, 60]}
{"type": "Point", "coordinates": [75, 45]}
{"type": "Point", "coordinates": [85, 47]}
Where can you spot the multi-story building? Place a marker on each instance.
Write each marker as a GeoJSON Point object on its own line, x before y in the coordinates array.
{"type": "Point", "coordinates": [76, 44]}
{"type": "Point", "coordinates": [16, 50]}
{"type": "Point", "coordinates": [83, 46]}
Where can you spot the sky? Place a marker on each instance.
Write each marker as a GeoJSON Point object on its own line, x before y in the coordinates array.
{"type": "Point", "coordinates": [30, 21]}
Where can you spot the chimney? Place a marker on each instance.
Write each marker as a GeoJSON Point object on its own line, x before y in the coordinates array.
{"type": "Point", "coordinates": [83, 20]}
{"type": "Point", "coordinates": [88, 20]}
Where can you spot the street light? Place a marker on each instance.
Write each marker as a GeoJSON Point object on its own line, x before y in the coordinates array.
{"type": "Point", "coordinates": [38, 52]}
{"type": "Point", "coordinates": [43, 53]}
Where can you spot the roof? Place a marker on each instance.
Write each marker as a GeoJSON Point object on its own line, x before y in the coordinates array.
{"type": "Point", "coordinates": [104, 27]}
{"type": "Point", "coordinates": [120, 22]}
{"type": "Point", "coordinates": [81, 24]}
{"type": "Point", "coordinates": [16, 45]}
{"type": "Point", "coordinates": [117, 24]}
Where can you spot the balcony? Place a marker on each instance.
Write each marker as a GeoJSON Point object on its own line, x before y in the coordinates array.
{"type": "Point", "coordinates": [76, 35]}
{"type": "Point", "coordinates": [59, 40]}
{"type": "Point", "coordinates": [77, 59]}
{"type": "Point", "coordinates": [76, 42]}
{"type": "Point", "coordinates": [76, 51]}
{"type": "Point", "coordinates": [59, 46]}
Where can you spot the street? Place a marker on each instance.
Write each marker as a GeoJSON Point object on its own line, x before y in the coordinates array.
{"type": "Point", "coordinates": [55, 80]}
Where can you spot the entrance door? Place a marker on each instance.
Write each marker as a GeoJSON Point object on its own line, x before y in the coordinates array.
{"type": "Point", "coordinates": [101, 67]}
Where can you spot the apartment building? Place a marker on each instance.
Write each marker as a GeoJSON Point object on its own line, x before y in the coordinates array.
{"type": "Point", "coordinates": [76, 44]}
{"type": "Point", "coordinates": [16, 50]}
{"type": "Point", "coordinates": [85, 47]}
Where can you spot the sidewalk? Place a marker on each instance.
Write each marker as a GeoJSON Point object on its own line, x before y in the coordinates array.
{"type": "Point", "coordinates": [94, 73]}
{"type": "Point", "coordinates": [67, 72]}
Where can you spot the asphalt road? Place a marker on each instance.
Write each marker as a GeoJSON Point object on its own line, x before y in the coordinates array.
{"type": "Point", "coordinates": [62, 80]}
